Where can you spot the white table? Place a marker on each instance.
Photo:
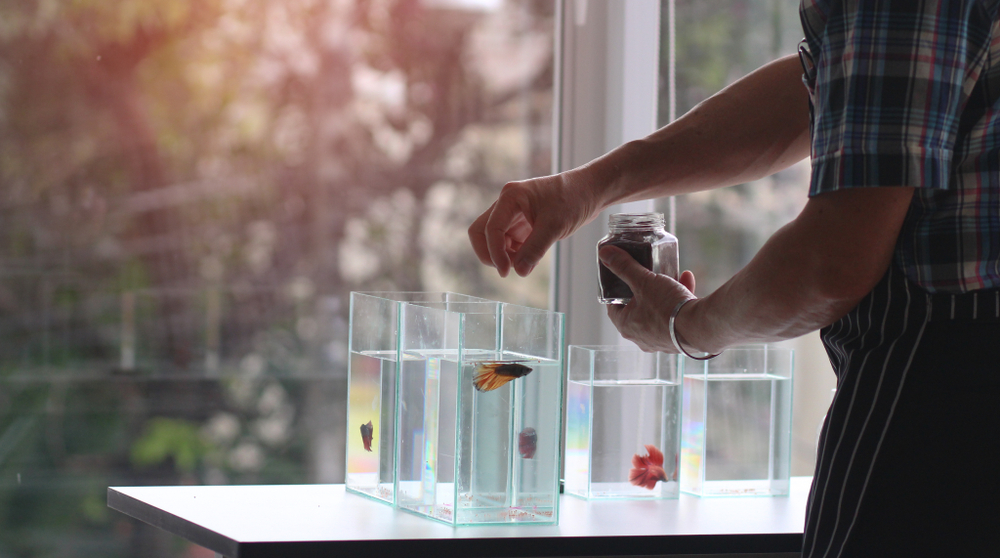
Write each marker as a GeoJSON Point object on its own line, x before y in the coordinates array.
{"type": "Point", "coordinates": [325, 520]}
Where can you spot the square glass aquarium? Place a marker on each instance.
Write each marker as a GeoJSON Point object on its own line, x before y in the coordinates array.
{"type": "Point", "coordinates": [375, 361]}
{"type": "Point", "coordinates": [454, 406]}
{"type": "Point", "coordinates": [480, 391]}
{"type": "Point", "coordinates": [737, 423]}
{"type": "Point", "coordinates": [623, 423]}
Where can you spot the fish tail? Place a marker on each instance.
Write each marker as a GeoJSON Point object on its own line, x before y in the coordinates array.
{"type": "Point", "coordinates": [655, 455]}
{"type": "Point", "coordinates": [486, 378]}
{"type": "Point", "coordinates": [635, 476]}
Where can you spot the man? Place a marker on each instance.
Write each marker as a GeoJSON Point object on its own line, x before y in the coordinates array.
{"type": "Point", "coordinates": [896, 256]}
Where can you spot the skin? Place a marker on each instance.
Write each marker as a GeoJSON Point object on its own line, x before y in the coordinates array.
{"type": "Point", "coordinates": [809, 274]}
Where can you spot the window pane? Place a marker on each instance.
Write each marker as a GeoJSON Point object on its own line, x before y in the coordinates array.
{"type": "Point", "coordinates": [189, 189]}
{"type": "Point", "coordinates": [718, 42]}
{"type": "Point", "coordinates": [715, 43]}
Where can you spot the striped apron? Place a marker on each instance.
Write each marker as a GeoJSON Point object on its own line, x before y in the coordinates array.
{"type": "Point", "coordinates": [908, 462]}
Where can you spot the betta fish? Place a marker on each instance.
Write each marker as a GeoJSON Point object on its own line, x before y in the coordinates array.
{"type": "Point", "coordinates": [527, 442]}
{"type": "Point", "coordinates": [491, 375]}
{"type": "Point", "coordinates": [367, 430]}
{"type": "Point", "coordinates": [647, 469]}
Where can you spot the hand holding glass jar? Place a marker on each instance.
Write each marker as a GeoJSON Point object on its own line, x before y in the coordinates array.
{"type": "Point", "coordinates": [647, 318]}
{"type": "Point", "coordinates": [641, 235]}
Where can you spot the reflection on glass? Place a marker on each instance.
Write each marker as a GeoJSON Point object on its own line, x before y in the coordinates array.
{"type": "Point", "coordinates": [189, 190]}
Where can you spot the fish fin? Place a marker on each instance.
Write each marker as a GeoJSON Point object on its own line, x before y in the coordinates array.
{"type": "Point", "coordinates": [655, 455]}
{"type": "Point", "coordinates": [527, 443]}
{"type": "Point", "coordinates": [652, 458]}
{"type": "Point", "coordinates": [646, 478]}
{"type": "Point", "coordinates": [647, 469]}
{"type": "Point", "coordinates": [486, 378]}
{"type": "Point", "coordinates": [367, 433]}
{"type": "Point", "coordinates": [635, 476]}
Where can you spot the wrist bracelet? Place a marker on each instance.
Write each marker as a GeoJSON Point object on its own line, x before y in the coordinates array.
{"type": "Point", "coordinates": [673, 335]}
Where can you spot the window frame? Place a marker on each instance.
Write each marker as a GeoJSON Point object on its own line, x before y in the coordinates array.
{"type": "Point", "coordinates": [606, 94]}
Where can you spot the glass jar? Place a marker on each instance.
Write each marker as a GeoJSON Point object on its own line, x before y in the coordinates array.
{"type": "Point", "coordinates": [641, 235]}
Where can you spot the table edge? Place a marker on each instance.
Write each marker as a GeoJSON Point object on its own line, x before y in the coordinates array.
{"type": "Point", "coordinates": [173, 524]}
{"type": "Point", "coordinates": [541, 547]}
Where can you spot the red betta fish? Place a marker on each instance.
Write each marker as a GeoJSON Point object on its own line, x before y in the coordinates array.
{"type": "Point", "coordinates": [367, 431]}
{"type": "Point", "coordinates": [647, 469]}
{"type": "Point", "coordinates": [527, 442]}
{"type": "Point", "coordinates": [491, 375]}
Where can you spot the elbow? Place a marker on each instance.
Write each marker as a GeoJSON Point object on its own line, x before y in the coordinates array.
{"type": "Point", "coordinates": [842, 287]}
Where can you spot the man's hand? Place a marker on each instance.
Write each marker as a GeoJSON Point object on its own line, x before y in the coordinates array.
{"type": "Point", "coordinates": [530, 216]}
{"type": "Point", "coordinates": [645, 319]}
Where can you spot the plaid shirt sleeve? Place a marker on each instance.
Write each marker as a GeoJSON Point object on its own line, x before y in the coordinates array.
{"type": "Point", "coordinates": [891, 80]}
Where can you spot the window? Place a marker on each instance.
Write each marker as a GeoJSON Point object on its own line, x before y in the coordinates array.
{"type": "Point", "coordinates": [706, 45]}
{"type": "Point", "coordinates": [190, 189]}
{"type": "Point", "coordinates": [702, 46]}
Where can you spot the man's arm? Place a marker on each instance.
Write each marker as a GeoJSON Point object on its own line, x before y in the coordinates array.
{"type": "Point", "coordinates": [809, 274]}
{"type": "Point", "coordinates": [753, 128]}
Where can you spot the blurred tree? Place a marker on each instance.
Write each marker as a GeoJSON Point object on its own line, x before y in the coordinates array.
{"type": "Point", "coordinates": [172, 144]}
{"type": "Point", "coordinates": [77, 131]}
{"type": "Point", "coordinates": [188, 189]}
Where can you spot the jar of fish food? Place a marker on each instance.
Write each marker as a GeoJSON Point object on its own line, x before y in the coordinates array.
{"type": "Point", "coordinates": [644, 237]}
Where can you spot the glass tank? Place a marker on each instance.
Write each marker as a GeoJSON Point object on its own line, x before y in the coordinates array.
{"type": "Point", "coordinates": [623, 423]}
{"type": "Point", "coordinates": [375, 361]}
{"type": "Point", "coordinates": [458, 400]}
{"type": "Point", "coordinates": [737, 423]}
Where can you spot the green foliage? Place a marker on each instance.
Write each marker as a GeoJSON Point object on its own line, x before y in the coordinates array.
{"type": "Point", "coordinates": [173, 439]}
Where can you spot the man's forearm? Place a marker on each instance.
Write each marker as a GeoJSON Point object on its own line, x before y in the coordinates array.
{"type": "Point", "coordinates": [809, 274]}
{"type": "Point", "coordinates": [776, 296]}
{"type": "Point", "coordinates": [753, 128]}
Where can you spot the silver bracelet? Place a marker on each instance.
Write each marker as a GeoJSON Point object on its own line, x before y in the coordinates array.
{"type": "Point", "coordinates": [673, 335]}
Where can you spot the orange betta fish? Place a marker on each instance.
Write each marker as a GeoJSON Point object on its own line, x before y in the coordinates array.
{"type": "Point", "coordinates": [491, 375]}
{"type": "Point", "coordinates": [647, 469]}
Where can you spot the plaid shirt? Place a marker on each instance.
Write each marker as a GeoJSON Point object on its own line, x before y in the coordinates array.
{"type": "Point", "coordinates": [907, 93]}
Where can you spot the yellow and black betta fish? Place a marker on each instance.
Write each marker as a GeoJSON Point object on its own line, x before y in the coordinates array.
{"type": "Point", "coordinates": [491, 375]}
